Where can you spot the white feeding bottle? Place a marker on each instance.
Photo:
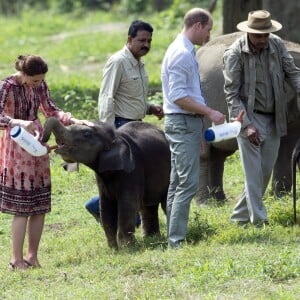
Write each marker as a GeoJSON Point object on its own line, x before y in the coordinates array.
{"type": "Point", "coordinates": [224, 131]}
{"type": "Point", "coordinates": [27, 141]}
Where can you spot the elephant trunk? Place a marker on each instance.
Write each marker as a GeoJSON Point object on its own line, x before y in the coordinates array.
{"type": "Point", "coordinates": [52, 125]}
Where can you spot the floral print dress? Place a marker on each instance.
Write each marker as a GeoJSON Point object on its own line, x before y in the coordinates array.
{"type": "Point", "coordinates": [25, 185]}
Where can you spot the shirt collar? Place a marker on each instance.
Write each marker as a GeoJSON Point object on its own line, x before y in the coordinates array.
{"type": "Point", "coordinates": [187, 43]}
{"type": "Point", "coordinates": [131, 58]}
{"type": "Point", "coordinates": [247, 47]}
{"type": "Point", "coordinates": [251, 47]}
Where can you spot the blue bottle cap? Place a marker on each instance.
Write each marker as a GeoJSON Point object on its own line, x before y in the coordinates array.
{"type": "Point", "coordinates": [209, 135]}
{"type": "Point", "coordinates": [15, 131]}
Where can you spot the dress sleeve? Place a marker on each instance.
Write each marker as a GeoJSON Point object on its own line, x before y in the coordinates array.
{"type": "Point", "coordinates": [48, 107]}
{"type": "Point", "coordinates": [5, 93]}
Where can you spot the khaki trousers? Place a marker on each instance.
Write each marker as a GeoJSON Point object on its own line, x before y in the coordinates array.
{"type": "Point", "coordinates": [184, 134]}
{"type": "Point", "coordinates": [257, 163]}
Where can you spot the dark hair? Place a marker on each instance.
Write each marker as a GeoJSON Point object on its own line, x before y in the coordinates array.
{"type": "Point", "coordinates": [196, 15]}
{"type": "Point", "coordinates": [138, 25]}
{"type": "Point", "coordinates": [31, 65]}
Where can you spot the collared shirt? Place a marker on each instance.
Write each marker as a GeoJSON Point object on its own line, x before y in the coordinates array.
{"type": "Point", "coordinates": [180, 75]}
{"type": "Point", "coordinates": [124, 88]}
{"type": "Point", "coordinates": [264, 96]}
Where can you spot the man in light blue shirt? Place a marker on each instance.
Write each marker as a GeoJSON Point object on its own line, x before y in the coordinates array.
{"type": "Point", "coordinates": [184, 107]}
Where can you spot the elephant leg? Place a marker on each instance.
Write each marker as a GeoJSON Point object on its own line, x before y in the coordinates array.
{"type": "Point", "coordinates": [163, 204]}
{"type": "Point", "coordinates": [282, 172]}
{"type": "Point", "coordinates": [150, 221]}
{"type": "Point", "coordinates": [109, 214]}
{"type": "Point", "coordinates": [127, 211]}
{"type": "Point", "coordinates": [202, 194]}
{"type": "Point", "coordinates": [216, 172]}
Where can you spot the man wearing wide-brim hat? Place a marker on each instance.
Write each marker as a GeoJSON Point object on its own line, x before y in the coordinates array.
{"type": "Point", "coordinates": [255, 67]}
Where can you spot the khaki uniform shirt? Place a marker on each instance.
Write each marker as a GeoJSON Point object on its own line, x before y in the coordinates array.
{"type": "Point", "coordinates": [124, 88]}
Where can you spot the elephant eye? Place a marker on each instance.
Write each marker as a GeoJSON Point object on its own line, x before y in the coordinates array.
{"type": "Point", "coordinates": [87, 133]}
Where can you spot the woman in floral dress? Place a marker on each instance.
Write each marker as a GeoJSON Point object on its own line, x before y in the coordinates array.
{"type": "Point", "coordinates": [25, 186]}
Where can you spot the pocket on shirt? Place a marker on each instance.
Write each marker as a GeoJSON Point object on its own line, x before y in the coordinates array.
{"type": "Point", "coordinates": [135, 84]}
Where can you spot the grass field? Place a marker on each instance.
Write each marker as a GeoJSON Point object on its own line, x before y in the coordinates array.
{"type": "Point", "coordinates": [219, 261]}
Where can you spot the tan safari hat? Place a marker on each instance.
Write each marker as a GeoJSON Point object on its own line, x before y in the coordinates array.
{"type": "Point", "coordinates": [259, 21]}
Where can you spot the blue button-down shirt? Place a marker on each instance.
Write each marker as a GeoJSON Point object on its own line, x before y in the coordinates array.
{"type": "Point", "coordinates": [179, 75]}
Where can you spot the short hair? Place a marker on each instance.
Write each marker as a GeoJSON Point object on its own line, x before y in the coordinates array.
{"type": "Point", "coordinates": [138, 25]}
{"type": "Point", "coordinates": [196, 15]}
{"type": "Point", "coordinates": [31, 65]}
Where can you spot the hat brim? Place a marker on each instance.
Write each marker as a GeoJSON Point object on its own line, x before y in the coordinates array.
{"type": "Point", "coordinates": [242, 26]}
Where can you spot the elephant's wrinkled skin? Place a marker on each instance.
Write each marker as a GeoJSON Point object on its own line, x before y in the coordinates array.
{"type": "Point", "coordinates": [214, 155]}
{"type": "Point", "coordinates": [295, 163]}
{"type": "Point", "coordinates": [132, 167]}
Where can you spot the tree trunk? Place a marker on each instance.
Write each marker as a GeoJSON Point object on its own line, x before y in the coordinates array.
{"type": "Point", "coordinates": [235, 11]}
{"type": "Point", "coordinates": [287, 13]}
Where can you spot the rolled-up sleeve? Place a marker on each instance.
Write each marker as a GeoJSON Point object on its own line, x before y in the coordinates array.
{"type": "Point", "coordinates": [178, 74]}
{"type": "Point", "coordinates": [49, 108]}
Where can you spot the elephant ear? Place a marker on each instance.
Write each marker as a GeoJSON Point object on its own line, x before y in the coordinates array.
{"type": "Point", "coordinates": [118, 157]}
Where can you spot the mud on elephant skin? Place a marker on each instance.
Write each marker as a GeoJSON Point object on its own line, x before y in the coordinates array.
{"type": "Point", "coordinates": [132, 168]}
{"type": "Point", "coordinates": [213, 155]}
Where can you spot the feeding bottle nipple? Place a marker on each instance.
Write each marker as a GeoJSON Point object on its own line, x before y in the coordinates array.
{"type": "Point", "coordinates": [27, 141]}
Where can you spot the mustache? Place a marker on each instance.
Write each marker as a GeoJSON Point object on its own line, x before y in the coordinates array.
{"type": "Point", "coordinates": [145, 48]}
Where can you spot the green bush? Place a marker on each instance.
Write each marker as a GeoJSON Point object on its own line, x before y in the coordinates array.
{"type": "Point", "coordinates": [82, 102]}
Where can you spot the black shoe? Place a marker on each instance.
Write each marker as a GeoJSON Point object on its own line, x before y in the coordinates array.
{"type": "Point", "coordinates": [262, 224]}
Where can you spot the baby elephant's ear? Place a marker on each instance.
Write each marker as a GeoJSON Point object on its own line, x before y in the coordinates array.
{"type": "Point", "coordinates": [118, 157]}
{"type": "Point", "coordinates": [107, 134]}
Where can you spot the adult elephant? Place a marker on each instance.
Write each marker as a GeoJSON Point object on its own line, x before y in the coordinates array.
{"type": "Point", "coordinates": [132, 167]}
{"type": "Point", "coordinates": [213, 155]}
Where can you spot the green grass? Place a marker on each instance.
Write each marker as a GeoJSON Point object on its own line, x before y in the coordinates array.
{"type": "Point", "coordinates": [219, 260]}
{"type": "Point", "coordinates": [76, 47]}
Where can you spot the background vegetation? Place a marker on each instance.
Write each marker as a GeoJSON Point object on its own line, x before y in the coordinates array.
{"type": "Point", "coordinates": [219, 260]}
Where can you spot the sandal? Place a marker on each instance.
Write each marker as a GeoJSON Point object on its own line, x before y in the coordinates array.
{"type": "Point", "coordinates": [13, 267]}
{"type": "Point", "coordinates": [29, 265]}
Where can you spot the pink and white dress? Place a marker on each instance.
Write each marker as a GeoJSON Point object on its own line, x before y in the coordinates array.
{"type": "Point", "coordinates": [25, 184]}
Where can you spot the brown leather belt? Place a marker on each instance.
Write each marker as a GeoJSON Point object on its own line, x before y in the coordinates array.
{"type": "Point", "coordinates": [263, 112]}
{"type": "Point", "coordinates": [125, 119]}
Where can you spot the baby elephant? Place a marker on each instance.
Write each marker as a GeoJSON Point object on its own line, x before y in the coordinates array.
{"type": "Point", "coordinates": [132, 168]}
{"type": "Point", "coordinates": [295, 162]}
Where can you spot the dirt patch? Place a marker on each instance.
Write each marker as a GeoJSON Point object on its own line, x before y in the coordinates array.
{"type": "Point", "coordinates": [109, 27]}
